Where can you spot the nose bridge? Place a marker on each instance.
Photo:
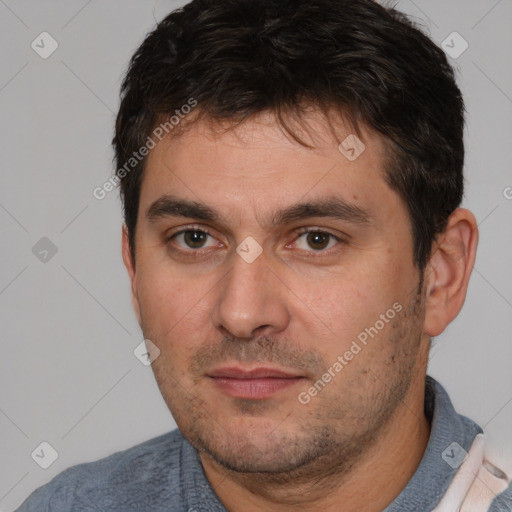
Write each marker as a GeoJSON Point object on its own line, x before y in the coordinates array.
{"type": "Point", "coordinates": [250, 297]}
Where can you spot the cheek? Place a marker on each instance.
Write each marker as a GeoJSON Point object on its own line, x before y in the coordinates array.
{"type": "Point", "coordinates": [350, 296]}
{"type": "Point", "coordinates": [171, 304]}
{"type": "Point", "coordinates": [342, 306]}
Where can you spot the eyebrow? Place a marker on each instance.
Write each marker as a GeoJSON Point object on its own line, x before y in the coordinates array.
{"type": "Point", "coordinates": [333, 207]}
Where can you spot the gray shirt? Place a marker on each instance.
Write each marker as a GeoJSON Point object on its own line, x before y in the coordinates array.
{"type": "Point", "coordinates": [166, 474]}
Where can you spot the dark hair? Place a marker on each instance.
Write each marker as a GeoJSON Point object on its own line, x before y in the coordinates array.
{"type": "Point", "coordinates": [238, 58]}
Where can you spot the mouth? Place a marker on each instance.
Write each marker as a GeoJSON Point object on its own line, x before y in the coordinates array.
{"type": "Point", "coordinates": [254, 384]}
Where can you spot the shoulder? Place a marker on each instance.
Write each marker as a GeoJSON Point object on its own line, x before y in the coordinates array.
{"type": "Point", "coordinates": [503, 501]}
{"type": "Point", "coordinates": [123, 479]}
{"type": "Point", "coordinates": [491, 490]}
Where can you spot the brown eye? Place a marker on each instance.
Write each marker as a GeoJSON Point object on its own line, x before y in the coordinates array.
{"type": "Point", "coordinates": [318, 240]}
{"type": "Point", "coordinates": [195, 239]}
{"type": "Point", "coordinates": [192, 239]}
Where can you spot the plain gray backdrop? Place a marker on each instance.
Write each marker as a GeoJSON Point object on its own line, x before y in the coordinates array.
{"type": "Point", "coordinates": [68, 375]}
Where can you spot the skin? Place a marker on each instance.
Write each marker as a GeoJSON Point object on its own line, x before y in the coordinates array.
{"type": "Point", "coordinates": [297, 307]}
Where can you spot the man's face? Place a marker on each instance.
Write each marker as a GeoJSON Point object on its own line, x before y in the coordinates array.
{"type": "Point", "coordinates": [243, 335]}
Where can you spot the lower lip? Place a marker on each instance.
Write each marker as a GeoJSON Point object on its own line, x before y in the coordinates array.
{"type": "Point", "coordinates": [254, 389]}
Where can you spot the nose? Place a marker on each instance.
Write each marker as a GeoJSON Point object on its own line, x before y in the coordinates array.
{"type": "Point", "coordinates": [252, 300]}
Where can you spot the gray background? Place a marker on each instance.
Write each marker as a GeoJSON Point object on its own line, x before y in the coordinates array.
{"type": "Point", "coordinates": [68, 375]}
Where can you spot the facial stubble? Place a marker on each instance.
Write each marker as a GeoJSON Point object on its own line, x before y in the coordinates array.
{"type": "Point", "coordinates": [305, 443]}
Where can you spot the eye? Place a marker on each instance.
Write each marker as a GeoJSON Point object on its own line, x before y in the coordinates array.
{"type": "Point", "coordinates": [310, 240]}
{"type": "Point", "coordinates": [319, 241]}
{"type": "Point", "coordinates": [192, 239]}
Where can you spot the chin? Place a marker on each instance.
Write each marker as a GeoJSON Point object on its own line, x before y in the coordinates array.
{"type": "Point", "coordinates": [257, 448]}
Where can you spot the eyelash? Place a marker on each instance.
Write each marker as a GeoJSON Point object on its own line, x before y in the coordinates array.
{"type": "Point", "coordinates": [300, 232]}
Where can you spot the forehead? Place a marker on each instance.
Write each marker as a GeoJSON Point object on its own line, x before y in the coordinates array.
{"type": "Point", "coordinates": [257, 166]}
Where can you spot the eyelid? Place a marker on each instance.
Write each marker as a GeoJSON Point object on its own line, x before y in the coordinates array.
{"type": "Point", "coordinates": [307, 229]}
{"type": "Point", "coordinates": [183, 229]}
{"type": "Point", "coordinates": [313, 229]}
{"type": "Point", "coordinates": [323, 252]}
{"type": "Point", "coordinates": [168, 238]}
{"type": "Point", "coordinates": [298, 232]}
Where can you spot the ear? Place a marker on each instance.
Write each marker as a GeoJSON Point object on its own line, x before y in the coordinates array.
{"type": "Point", "coordinates": [448, 270]}
{"type": "Point", "coordinates": [130, 267]}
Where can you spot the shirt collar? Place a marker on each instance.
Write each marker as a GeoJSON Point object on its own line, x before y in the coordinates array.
{"type": "Point", "coordinates": [434, 474]}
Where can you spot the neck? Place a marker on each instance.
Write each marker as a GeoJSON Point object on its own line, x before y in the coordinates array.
{"type": "Point", "coordinates": [371, 481]}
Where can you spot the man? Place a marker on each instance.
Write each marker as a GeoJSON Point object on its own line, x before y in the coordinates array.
{"type": "Point", "coordinates": [291, 173]}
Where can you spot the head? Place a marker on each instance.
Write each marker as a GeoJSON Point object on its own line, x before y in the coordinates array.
{"type": "Point", "coordinates": [295, 206]}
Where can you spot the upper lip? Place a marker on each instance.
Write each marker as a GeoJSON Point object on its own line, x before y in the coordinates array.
{"type": "Point", "coordinates": [261, 372]}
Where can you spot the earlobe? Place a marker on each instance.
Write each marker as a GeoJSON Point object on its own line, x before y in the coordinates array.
{"type": "Point", "coordinates": [448, 271]}
{"type": "Point", "coordinates": [130, 267]}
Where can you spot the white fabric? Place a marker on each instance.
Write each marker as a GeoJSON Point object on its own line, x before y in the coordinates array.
{"type": "Point", "coordinates": [476, 483]}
